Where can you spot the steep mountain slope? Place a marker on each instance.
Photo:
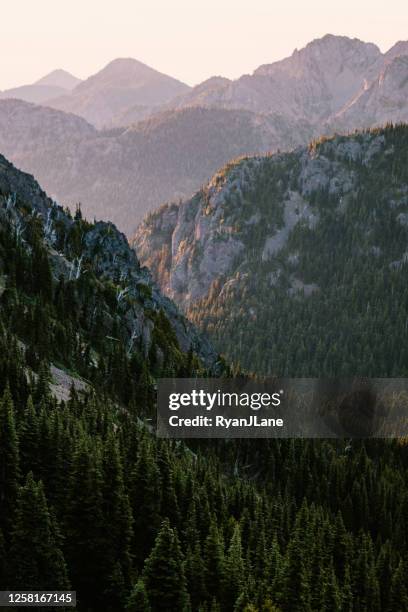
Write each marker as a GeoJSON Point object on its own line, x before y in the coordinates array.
{"type": "Point", "coordinates": [122, 174]}
{"type": "Point", "coordinates": [94, 260]}
{"type": "Point", "coordinates": [123, 83]}
{"type": "Point", "coordinates": [384, 100]}
{"type": "Point", "coordinates": [54, 84]}
{"type": "Point", "coordinates": [296, 263]}
{"type": "Point", "coordinates": [91, 500]}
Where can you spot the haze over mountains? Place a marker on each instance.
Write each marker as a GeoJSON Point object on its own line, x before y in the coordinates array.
{"type": "Point", "coordinates": [169, 139]}
{"type": "Point", "coordinates": [120, 86]}
{"type": "Point", "coordinates": [123, 174]}
{"type": "Point", "coordinates": [56, 83]}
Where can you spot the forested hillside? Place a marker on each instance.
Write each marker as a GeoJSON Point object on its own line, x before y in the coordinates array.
{"type": "Point", "coordinates": [296, 263]}
{"type": "Point", "coordinates": [90, 499]}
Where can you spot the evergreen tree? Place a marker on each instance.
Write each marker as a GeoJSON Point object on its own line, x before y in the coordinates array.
{"type": "Point", "coordinates": [330, 595]}
{"type": "Point", "coordinates": [145, 501]}
{"type": "Point", "coordinates": [29, 437]}
{"type": "Point", "coordinates": [36, 559]}
{"type": "Point", "coordinates": [163, 573]}
{"type": "Point", "coordinates": [9, 462]}
{"type": "Point", "coordinates": [366, 588]}
{"type": "Point", "coordinates": [233, 571]}
{"type": "Point", "coordinates": [85, 529]}
{"type": "Point", "coordinates": [117, 515]}
{"type": "Point", "coordinates": [194, 570]}
{"type": "Point", "coordinates": [138, 600]}
{"type": "Point", "coordinates": [3, 562]}
{"type": "Point", "coordinates": [295, 588]}
{"type": "Point", "coordinates": [214, 561]}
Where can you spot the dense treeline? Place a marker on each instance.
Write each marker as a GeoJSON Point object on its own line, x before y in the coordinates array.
{"type": "Point", "coordinates": [90, 499]}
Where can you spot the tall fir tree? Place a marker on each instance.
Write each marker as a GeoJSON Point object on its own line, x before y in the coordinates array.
{"type": "Point", "coordinates": [9, 462]}
{"type": "Point", "coordinates": [163, 573]}
{"type": "Point", "coordinates": [36, 558]}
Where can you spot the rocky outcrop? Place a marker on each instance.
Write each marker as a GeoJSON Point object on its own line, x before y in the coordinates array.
{"type": "Point", "coordinates": [245, 215]}
{"type": "Point", "coordinates": [335, 83]}
{"type": "Point", "coordinates": [290, 258]}
{"type": "Point", "coordinates": [103, 252]}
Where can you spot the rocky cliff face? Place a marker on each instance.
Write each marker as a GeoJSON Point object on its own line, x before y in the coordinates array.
{"type": "Point", "coordinates": [77, 249]}
{"type": "Point", "coordinates": [272, 240]}
{"type": "Point", "coordinates": [253, 203]}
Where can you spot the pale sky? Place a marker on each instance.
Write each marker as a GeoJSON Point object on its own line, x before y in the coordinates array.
{"type": "Point", "coordinates": [188, 39]}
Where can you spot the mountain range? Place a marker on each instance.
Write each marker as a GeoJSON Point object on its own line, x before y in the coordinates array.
{"type": "Point", "coordinates": [162, 140]}
{"type": "Point", "coordinates": [124, 173]}
{"type": "Point", "coordinates": [320, 82]}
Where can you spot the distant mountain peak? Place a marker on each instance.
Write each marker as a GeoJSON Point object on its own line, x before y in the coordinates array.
{"type": "Point", "coordinates": [329, 49]}
{"type": "Point", "coordinates": [59, 78]}
{"type": "Point", "coordinates": [336, 40]}
{"type": "Point", "coordinates": [400, 48]}
{"type": "Point", "coordinates": [122, 84]}
{"type": "Point", "coordinates": [125, 72]}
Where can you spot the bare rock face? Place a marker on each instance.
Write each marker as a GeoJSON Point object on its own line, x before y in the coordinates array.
{"type": "Point", "coordinates": [244, 217]}
{"type": "Point", "coordinates": [384, 100]}
{"type": "Point", "coordinates": [335, 83]}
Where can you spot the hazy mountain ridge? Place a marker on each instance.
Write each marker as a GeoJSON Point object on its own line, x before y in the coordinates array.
{"type": "Point", "coordinates": [292, 242]}
{"type": "Point", "coordinates": [383, 100]}
{"type": "Point", "coordinates": [333, 84]}
{"type": "Point", "coordinates": [316, 82]}
{"type": "Point", "coordinates": [56, 83]}
{"type": "Point", "coordinates": [60, 78]}
{"type": "Point", "coordinates": [119, 86]}
{"type": "Point", "coordinates": [122, 174]}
